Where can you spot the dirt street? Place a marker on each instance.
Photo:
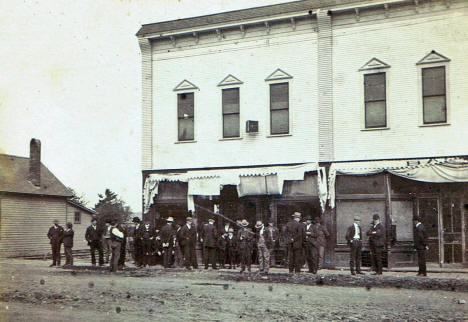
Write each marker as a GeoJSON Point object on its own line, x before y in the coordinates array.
{"type": "Point", "coordinates": [31, 290]}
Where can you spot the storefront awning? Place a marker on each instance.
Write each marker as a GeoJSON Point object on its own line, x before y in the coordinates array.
{"type": "Point", "coordinates": [428, 170]}
{"type": "Point", "coordinates": [249, 181]}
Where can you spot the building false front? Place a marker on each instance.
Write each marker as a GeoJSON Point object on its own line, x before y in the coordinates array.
{"type": "Point", "coordinates": [333, 110]}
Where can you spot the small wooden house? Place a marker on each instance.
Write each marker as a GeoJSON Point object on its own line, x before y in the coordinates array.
{"type": "Point", "coordinates": [31, 198]}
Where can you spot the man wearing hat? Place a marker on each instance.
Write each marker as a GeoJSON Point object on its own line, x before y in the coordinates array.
{"type": "Point", "coordinates": [311, 245]}
{"type": "Point", "coordinates": [167, 235]}
{"type": "Point", "coordinates": [295, 238]}
{"type": "Point", "coordinates": [188, 239]}
{"type": "Point", "coordinates": [231, 246]}
{"type": "Point", "coordinates": [55, 235]}
{"type": "Point", "coordinates": [354, 239]}
{"type": "Point", "coordinates": [376, 236]}
{"type": "Point", "coordinates": [262, 236]}
{"type": "Point", "coordinates": [244, 245]}
{"type": "Point", "coordinates": [210, 242]}
{"type": "Point", "coordinates": [135, 241]}
{"type": "Point", "coordinates": [93, 236]}
{"type": "Point", "coordinates": [116, 238]}
{"type": "Point", "coordinates": [420, 244]}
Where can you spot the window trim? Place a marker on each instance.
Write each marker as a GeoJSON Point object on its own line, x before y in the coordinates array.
{"type": "Point", "coordinates": [178, 118]}
{"type": "Point", "coordinates": [365, 102]}
{"type": "Point", "coordinates": [276, 82]}
{"type": "Point", "coordinates": [421, 69]}
{"type": "Point", "coordinates": [222, 115]}
{"type": "Point", "coordinates": [385, 69]}
{"type": "Point", "coordinates": [423, 63]}
{"type": "Point", "coordinates": [74, 217]}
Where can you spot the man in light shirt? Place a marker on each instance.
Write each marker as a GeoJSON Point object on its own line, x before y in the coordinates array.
{"type": "Point", "coordinates": [354, 238]}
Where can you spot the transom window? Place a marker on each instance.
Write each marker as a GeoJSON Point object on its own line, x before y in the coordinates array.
{"type": "Point", "coordinates": [279, 108]}
{"type": "Point", "coordinates": [375, 100]}
{"type": "Point", "coordinates": [185, 116]}
{"type": "Point", "coordinates": [231, 121]}
{"type": "Point", "coordinates": [434, 95]}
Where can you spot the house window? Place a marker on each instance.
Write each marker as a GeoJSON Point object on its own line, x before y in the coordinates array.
{"type": "Point", "coordinates": [279, 108]}
{"type": "Point", "coordinates": [434, 99]}
{"type": "Point", "coordinates": [231, 113]}
{"type": "Point", "coordinates": [185, 116]}
{"type": "Point", "coordinates": [375, 100]}
{"type": "Point", "coordinates": [77, 217]}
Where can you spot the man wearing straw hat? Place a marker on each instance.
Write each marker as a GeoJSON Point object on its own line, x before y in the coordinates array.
{"type": "Point", "coordinates": [167, 235]}
{"type": "Point", "coordinates": [244, 244]}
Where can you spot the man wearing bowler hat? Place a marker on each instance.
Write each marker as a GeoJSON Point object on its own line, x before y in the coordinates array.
{"type": "Point", "coordinates": [188, 239]}
{"type": "Point", "coordinates": [167, 235]}
{"type": "Point", "coordinates": [354, 239]}
{"type": "Point", "coordinates": [55, 236]}
{"type": "Point", "coordinates": [376, 236]}
{"type": "Point", "coordinates": [209, 238]}
{"type": "Point", "coordinates": [295, 237]}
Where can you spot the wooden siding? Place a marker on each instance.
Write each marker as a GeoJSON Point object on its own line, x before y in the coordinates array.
{"type": "Point", "coordinates": [79, 241]}
{"type": "Point", "coordinates": [25, 221]}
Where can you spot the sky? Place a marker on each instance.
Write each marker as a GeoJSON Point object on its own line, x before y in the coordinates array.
{"type": "Point", "coordinates": [70, 76]}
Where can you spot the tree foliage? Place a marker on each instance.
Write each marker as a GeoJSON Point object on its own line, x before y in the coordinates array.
{"type": "Point", "coordinates": [79, 199]}
{"type": "Point", "coordinates": [110, 207]}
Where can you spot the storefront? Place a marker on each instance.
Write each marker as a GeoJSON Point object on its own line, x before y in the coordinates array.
{"type": "Point", "coordinates": [434, 190]}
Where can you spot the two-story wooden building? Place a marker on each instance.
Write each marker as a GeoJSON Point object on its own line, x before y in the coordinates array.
{"type": "Point", "coordinates": [331, 108]}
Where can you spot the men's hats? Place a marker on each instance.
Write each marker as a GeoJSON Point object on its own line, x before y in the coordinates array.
{"type": "Point", "coordinates": [244, 223]}
{"type": "Point", "coordinates": [113, 222]}
{"type": "Point", "coordinates": [93, 219]}
{"type": "Point", "coordinates": [259, 224]}
{"type": "Point", "coordinates": [308, 218]}
{"type": "Point", "coordinates": [211, 220]}
{"type": "Point", "coordinates": [297, 215]}
{"type": "Point", "coordinates": [231, 230]}
{"type": "Point", "coordinates": [189, 218]}
{"type": "Point", "coordinates": [416, 218]}
{"type": "Point", "coordinates": [316, 220]}
{"type": "Point", "coordinates": [376, 217]}
{"type": "Point", "coordinates": [56, 221]}
{"type": "Point", "coordinates": [136, 219]}
{"type": "Point", "coordinates": [357, 218]}
{"type": "Point", "coordinates": [170, 219]}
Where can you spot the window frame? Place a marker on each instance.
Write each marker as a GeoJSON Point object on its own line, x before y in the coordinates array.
{"type": "Point", "coordinates": [74, 217]}
{"type": "Point", "coordinates": [422, 96]}
{"type": "Point", "coordinates": [368, 73]}
{"type": "Point", "coordinates": [230, 113]}
{"type": "Point", "coordinates": [182, 118]}
{"type": "Point", "coordinates": [273, 83]}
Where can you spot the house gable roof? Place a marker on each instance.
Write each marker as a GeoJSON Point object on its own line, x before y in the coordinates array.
{"type": "Point", "coordinates": [14, 171]}
{"type": "Point", "coordinates": [238, 16]}
{"type": "Point", "coordinates": [86, 209]}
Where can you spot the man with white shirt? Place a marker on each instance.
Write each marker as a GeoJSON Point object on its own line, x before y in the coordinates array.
{"type": "Point", "coordinates": [354, 238]}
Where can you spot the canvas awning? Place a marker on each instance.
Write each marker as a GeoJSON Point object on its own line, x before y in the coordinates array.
{"type": "Point", "coordinates": [428, 170]}
{"type": "Point", "coordinates": [249, 181]}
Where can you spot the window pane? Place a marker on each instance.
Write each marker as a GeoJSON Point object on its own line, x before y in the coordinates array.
{"type": "Point", "coordinates": [280, 121]}
{"type": "Point", "coordinates": [231, 125]}
{"type": "Point", "coordinates": [374, 87]}
{"type": "Point", "coordinates": [434, 109]}
{"type": "Point", "coordinates": [231, 100]}
{"type": "Point", "coordinates": [433, 81]}
{"type": "Point", "coordinates": [279, 96]}
{"type": "Point", "coordinates": [375, 114]}
{"type": "Point", "coordinates": [185, 105]}
{"type": "Point", "coordinates": [185, 129]}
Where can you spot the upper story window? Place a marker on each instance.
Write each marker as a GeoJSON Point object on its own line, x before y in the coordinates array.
{"type": "Point", "coordinates": [185, 116]}
{"type": "Point", "coordinates": [231, 120]}
{"type": "Point", "coordinates": [375, 94]}
{"type": "Point", "coordinates": [375, 110]}
{"type": "Point", "coordinates": [433, 69]}
{"type": "Point", "coordinates": [434, 95]}
{"type": "Point", "coordinates": [77, 217]}
{"type": "Point", "coordinates": [279, 108]}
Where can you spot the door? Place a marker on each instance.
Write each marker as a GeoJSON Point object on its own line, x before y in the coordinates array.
{"type": "Point", "coordinates": [428, 210]}
{"type": "Point", "coordinates": [452, 229]}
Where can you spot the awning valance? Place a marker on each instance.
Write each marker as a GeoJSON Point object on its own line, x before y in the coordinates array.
{"type": "Point", "coordinates": [263, 180]}
{"type": "Point", "coordinates": [427, 170]}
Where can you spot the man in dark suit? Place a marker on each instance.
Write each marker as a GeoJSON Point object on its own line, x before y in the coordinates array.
{"type": "Point", "coordinates": [93, 236]}
{"type": "Point", "coordinates": [420, 244]}
{"type": "Point", "coordinates": [295, 238]}
{"type": "Point", "coordinates": [210, 242]}
{"type": "Point", "coordinates": [68, 234]}
{"type": "Point", "coordinates": [167, 235]}
{"type": "Point", "coordinates": [188, 240]}
{"type": "Point", "coordinates": [311, 251]}
{"type": "Point", "coordinates": [55, 236]}
{"type": "Point", "coordinates": [354, 239]}
{"type": "Point", "coordinates": [244, 245]}
{"type": "Point", "coordinates": [376, 236]}
{"type": "Point", "coordinates": [116, 238]}
{"type": "Point", "coordinates": [147, 234]}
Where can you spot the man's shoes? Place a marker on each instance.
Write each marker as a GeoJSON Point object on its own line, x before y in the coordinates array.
{"type": "Point", "coordinates": [374, 273]}
{"type": "Point", "coordinates": [361, 273]}
{"type": "Point", "coordinates": [352, 273]}
{"type": "Point", "coordinates": [51, 265]}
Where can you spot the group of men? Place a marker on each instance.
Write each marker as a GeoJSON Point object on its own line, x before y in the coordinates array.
{"type": "Point", "coordinates": [376, 235]}
{"type": "Point", "coordinates": [304, 241]}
